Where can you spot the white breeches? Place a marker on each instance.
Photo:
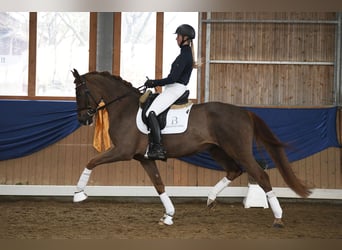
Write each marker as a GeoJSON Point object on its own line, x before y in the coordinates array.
{"type": "Point", "coordinates": [166, 98]}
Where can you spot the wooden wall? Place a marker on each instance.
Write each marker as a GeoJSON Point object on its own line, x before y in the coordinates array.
{"type": "Point", "coordinates": [272, 83]}
{"type": "Point", "coordinates": [291, 64]}
{"type": "Point", "coordinates": [237, 83]}
{"type": "Point", "coordinates": [62, 163]}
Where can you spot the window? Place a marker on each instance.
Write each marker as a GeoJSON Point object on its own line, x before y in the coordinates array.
{"type": "Point", "coordinates": [171, 21]}
{"type": "Point", "coordinates": [137, 61]}
{"type": "Point", "coordinates": [14, 30]}
{"type": "Point", "coordinates": [62, 44]}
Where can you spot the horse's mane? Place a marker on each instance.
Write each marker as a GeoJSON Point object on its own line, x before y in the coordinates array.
{"type": "Point", "coordinates": [107, 74]}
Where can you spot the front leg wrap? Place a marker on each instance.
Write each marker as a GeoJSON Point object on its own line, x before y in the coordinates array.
{"type": "Point", "coordinates": [169, 209]}
{"type": "Point", "coordinates": [82, 183]}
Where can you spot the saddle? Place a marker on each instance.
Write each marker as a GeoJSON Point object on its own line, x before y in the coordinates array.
{"type": "Point", "coordinates": [148, 97]}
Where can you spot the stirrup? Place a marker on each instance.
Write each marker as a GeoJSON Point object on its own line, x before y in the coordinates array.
{"type": "Point", "coordinates": [154, 153]}
{"type": "Point", "coordinates": [156, 156]}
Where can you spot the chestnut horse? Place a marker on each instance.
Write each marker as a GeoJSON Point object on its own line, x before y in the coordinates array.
{"type": "Point", "coordinates": [224, 130]}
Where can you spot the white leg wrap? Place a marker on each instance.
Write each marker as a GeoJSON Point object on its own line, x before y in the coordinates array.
{"type": "Point", "coordinates": [84, 178]}
{"type": "Point", "coordinates": [169, 208]}
{"type": "Point", "coordinates": [274, 204]}
{"type": "Point", "coordinates": [222, 184]}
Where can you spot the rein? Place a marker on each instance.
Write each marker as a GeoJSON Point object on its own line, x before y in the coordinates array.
{"type": "Point", "coordinates": [112, 101]}
{"type": "Point", "coordinates": [91, 112]}
{"type": "Point", "coordinates": [116, 99]}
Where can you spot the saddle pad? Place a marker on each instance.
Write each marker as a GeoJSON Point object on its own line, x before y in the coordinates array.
{"type": "Point", "coordinates": [176, 121]}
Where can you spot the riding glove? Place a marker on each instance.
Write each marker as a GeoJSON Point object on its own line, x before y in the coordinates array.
{"type": "Point", "coordinates": [149, 84]}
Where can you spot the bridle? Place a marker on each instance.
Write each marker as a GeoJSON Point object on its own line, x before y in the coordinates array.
{"type": "Point", "coordinates": [92, 111]}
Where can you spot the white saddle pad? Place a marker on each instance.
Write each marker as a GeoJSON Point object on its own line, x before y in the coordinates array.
{"type": "Point", "coordinates": [176, 121]}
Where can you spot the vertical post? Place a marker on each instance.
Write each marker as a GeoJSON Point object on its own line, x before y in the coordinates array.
{"type": "Point", "coordinates": [92, 41]}
{"type": "Point", "coordinates": [116, 43]}
{"type": "Point", "coordinates": [104, 41]}
{"type": "Point", "coordinates": [338, 78]}
{"type": "Point", "coordinates": [338, 61]}
{"type": "Point", "coordinates": [199, 55]}
{"type": "Point", "coordinates": [159, 47]}
{"type": "Point", "coordinates": [207, 60]}
{"type": "Point", "coordinates": [32, 54]}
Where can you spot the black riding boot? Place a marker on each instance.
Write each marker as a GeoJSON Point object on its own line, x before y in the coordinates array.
{"type": "Point", "coordinates": [155, 148]}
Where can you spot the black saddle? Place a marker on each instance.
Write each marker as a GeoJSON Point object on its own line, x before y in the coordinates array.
{"type": "Point", "coordinates": [161, 117]}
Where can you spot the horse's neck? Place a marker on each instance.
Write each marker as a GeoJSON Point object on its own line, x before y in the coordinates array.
{"type": "Point", "coordinates": [126, 100]}
{"type": "Point", "coordinates": [116, 95]}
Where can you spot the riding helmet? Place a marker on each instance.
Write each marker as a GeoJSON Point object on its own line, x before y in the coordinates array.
{"type": "Point", "coordinates": [186, 30]}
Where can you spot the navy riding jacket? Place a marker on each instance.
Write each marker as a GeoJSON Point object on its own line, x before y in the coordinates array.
{"type": "Point", "coordinates": [181, 68]}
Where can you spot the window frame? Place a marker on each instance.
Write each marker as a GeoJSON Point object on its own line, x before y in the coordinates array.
{"type": "Point", "coordinates": [32, 53]}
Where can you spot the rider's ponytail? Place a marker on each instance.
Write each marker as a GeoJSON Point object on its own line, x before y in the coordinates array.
{"type": "Point", "coordinates": [195, 64]}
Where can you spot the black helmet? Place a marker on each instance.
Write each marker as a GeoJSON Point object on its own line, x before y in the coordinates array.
{"type": "Point", "coordinates": [186, 30]}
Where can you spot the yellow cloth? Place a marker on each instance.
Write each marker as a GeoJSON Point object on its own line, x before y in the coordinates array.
{"type": "Point", "coordinates": [101, 141]}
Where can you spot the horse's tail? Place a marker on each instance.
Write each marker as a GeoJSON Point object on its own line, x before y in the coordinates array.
{"type": "Point", "coordinates": [263, 135]}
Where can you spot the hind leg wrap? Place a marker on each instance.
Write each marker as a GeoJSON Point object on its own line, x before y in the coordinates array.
{"type": "Point", "coordinates": [222, 184]}
{"type": "Point", "coordinates": [274, 204]}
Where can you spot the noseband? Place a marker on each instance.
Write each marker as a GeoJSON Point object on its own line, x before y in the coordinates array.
{"type": "Point", "coordinates": [90, 110]}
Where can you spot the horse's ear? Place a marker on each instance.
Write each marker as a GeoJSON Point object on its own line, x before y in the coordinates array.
{"type": "Point", "coordinates": [76, 74]}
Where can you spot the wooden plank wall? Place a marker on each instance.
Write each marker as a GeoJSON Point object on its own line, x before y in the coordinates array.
{"type": "Point", "coordinates": [243, 84]}
{"type": "Point", "coordinates": [278, 85]}
{"type": "Point", "coordinates": [62, 163]}
{"type": "Point", "coordinates": [272, 84]}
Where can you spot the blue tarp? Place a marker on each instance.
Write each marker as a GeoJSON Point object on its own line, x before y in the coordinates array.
{"type": "Point", "coordinates": [306, 131]}
{"type": "Point", "coordinates": [29, 126]}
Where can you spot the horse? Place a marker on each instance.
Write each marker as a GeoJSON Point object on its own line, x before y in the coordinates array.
{"type": "Point", "coordinates": [224, 130]}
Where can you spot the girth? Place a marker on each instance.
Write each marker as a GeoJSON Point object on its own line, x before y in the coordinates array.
{"type": "Point", "coordinates": [147, 99]}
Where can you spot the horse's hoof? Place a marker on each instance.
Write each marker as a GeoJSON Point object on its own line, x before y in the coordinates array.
{"type": "Point", "coordinates": [80, 196]}
{"type": "Point", "coordinates": [166, 220]}
{"type": "Point", "coordinates": [278, 223]}
{"type": "Point", "coordinates": [211, 204]}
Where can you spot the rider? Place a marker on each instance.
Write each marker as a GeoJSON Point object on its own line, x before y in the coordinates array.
{"type": "Point", "coordinates": [175, 86]}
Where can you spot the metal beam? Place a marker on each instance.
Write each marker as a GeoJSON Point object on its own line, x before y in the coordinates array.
{"type": "Point", "coordinates": [270, 62]}
{"type": "Point", "coordinates": [271, 21]}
